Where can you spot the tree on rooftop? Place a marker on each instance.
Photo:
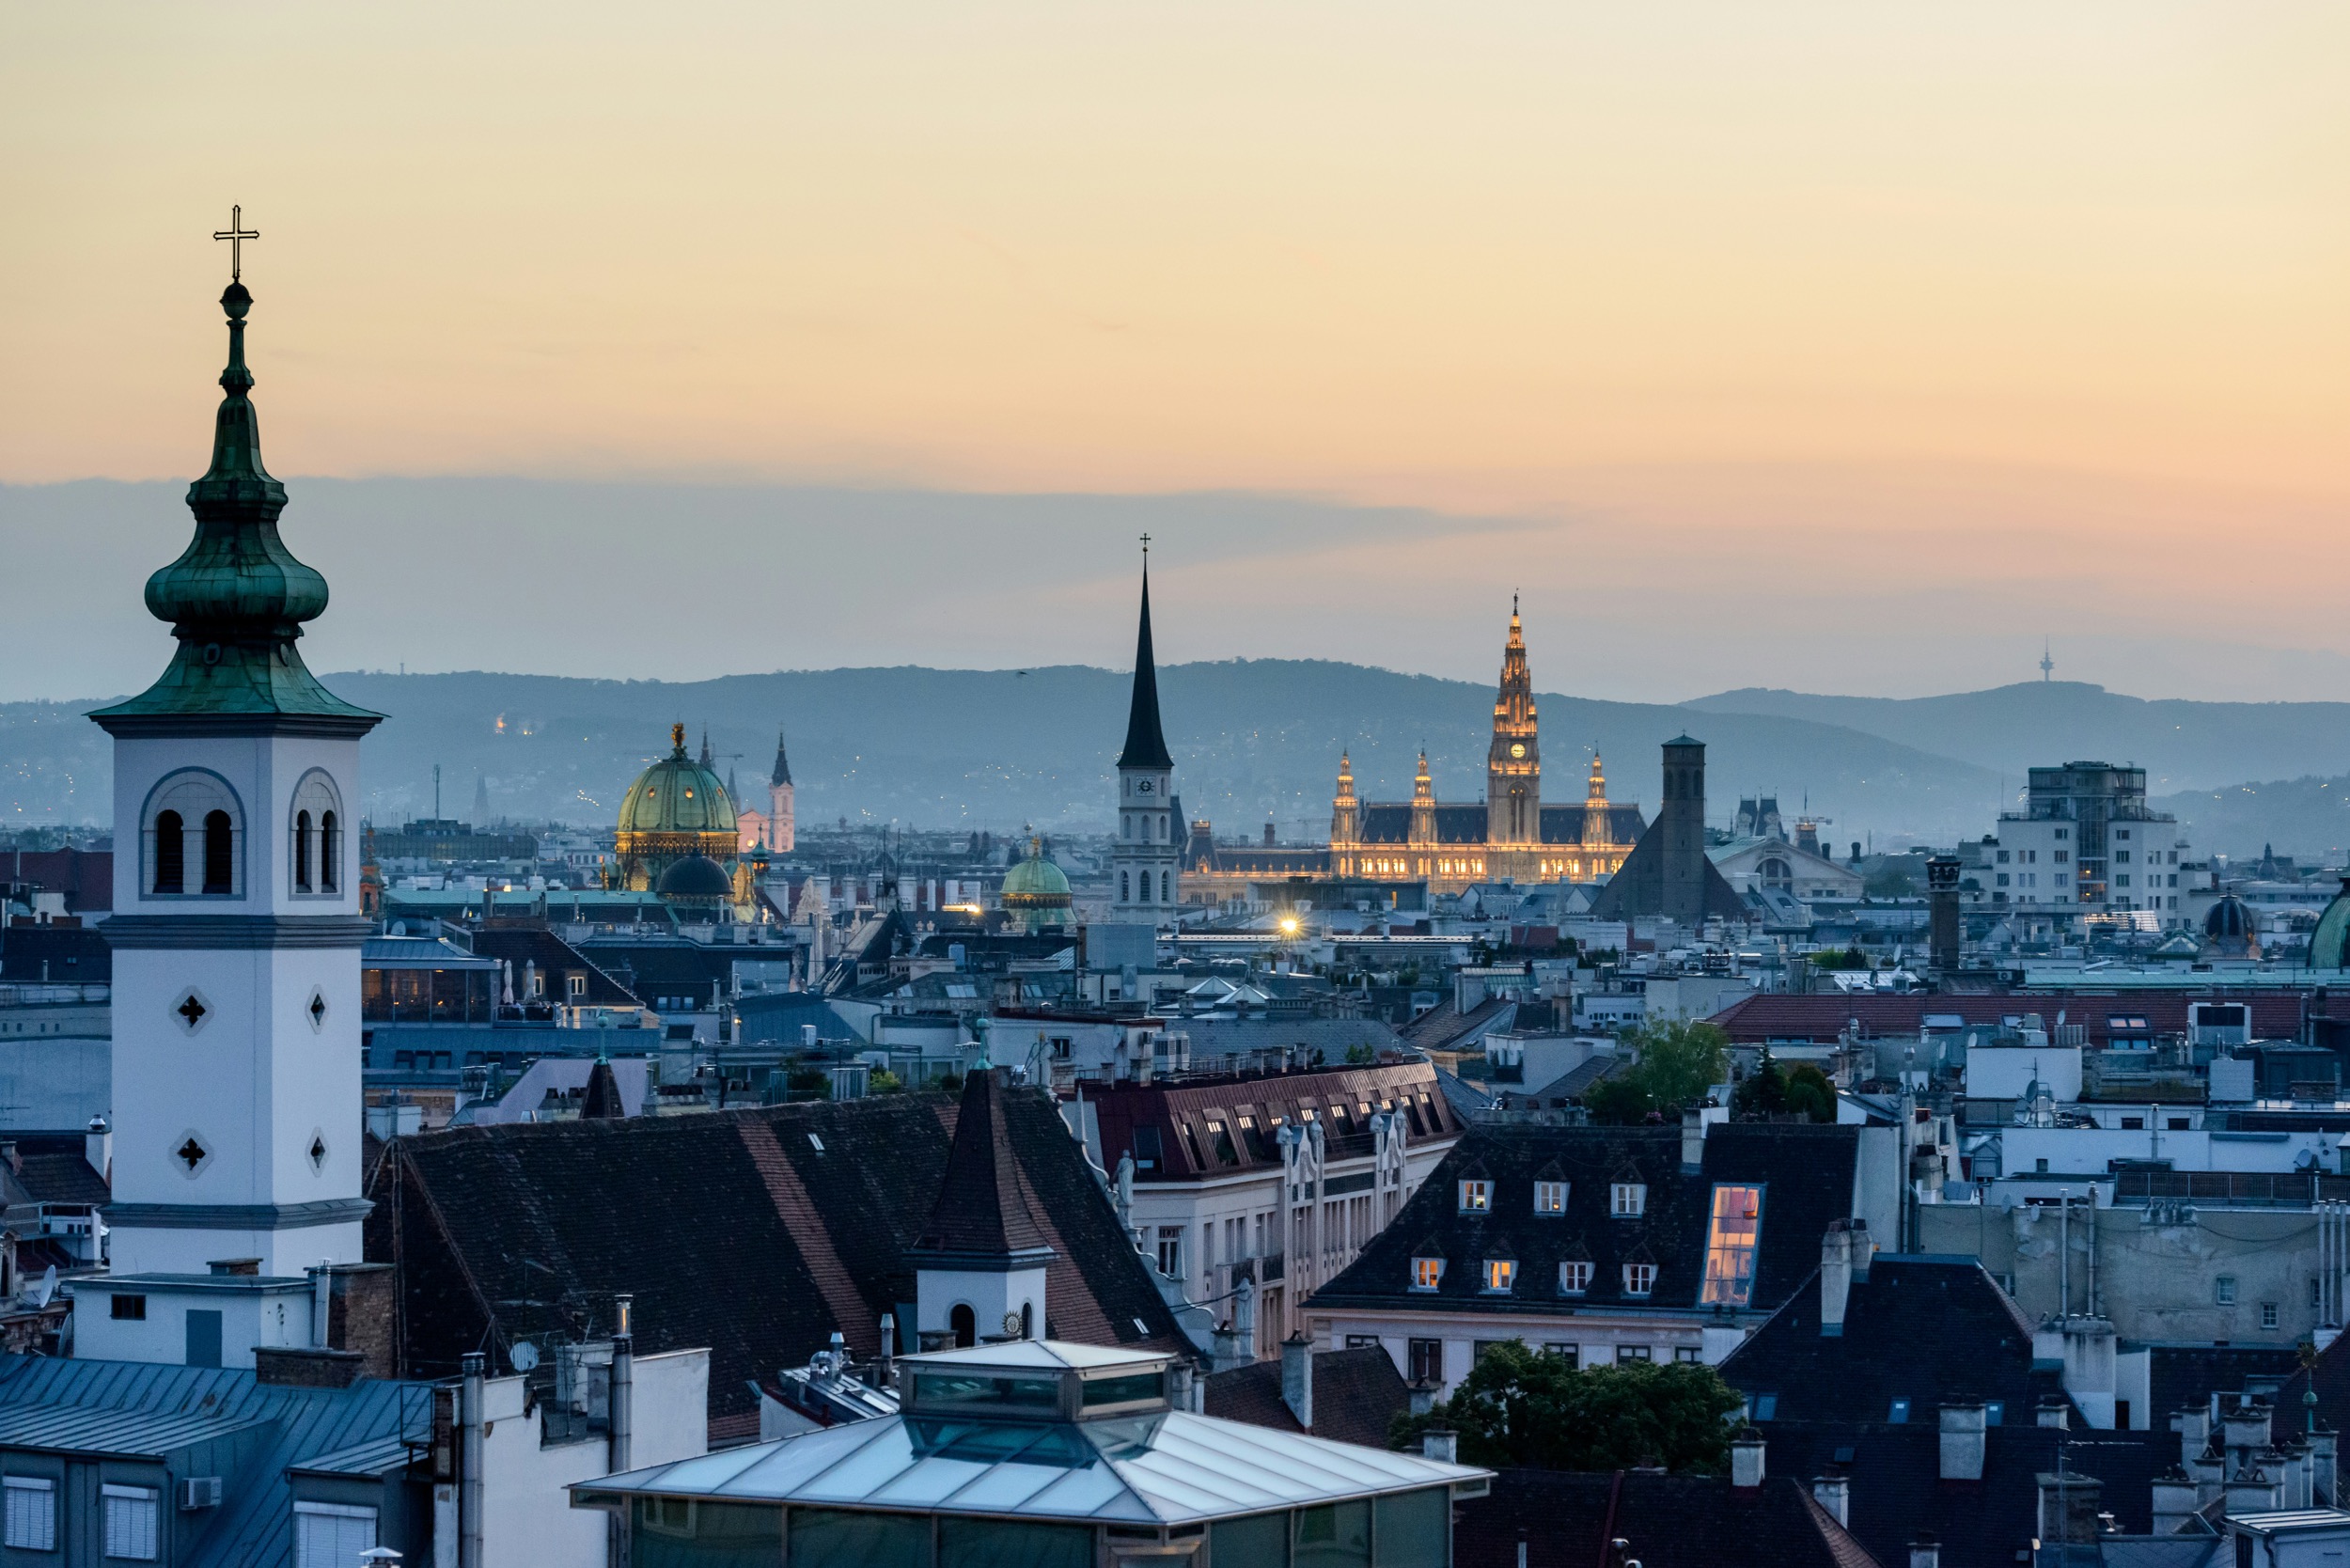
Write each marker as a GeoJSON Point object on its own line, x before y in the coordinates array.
{"type": "Point", "coordinates": [1618, 1102]}
{"type": "Point", "coordinates": [1521, 1408]}
{"type": "Point", "coordinates": [1679, 1062]}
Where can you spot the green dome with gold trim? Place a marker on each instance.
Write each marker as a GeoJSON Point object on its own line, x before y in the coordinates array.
{"type": "Point", "coordinates": [676, 809]}
{"type": "Point", "coordinates": [1036, 893]}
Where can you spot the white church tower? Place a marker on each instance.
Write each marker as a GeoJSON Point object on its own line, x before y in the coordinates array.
{"type": "Point", "coordinates": [1146, 870]}
{"type": "Point", "coordinates": [236, 933]}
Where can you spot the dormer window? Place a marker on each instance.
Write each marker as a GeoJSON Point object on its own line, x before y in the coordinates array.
{"type": "Point", "coordinates": [1502, 1275]}
{"type": "Point", "coordinates": [1574, 1277]}
{"type": "Point", "coordinates": [1426, 1272]}
{"type": "Point", "coordinates": [1628, 1200]}
{"type": "Point", "coordinates": [1550, 1199]}
{"type": "Point", "coordinates": [1477, 1196]}
{"type": "Point", "coordinates": [1639, 1279]}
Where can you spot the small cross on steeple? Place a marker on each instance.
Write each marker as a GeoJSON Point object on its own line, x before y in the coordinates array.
{"type": "Point", "coordinates": [236, 234]}
{"type": "Point", "coordinates": [1146, 545]}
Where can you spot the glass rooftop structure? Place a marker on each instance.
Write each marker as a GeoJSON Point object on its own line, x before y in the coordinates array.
{"type": "Point", "coordinates": [1040, 1454]}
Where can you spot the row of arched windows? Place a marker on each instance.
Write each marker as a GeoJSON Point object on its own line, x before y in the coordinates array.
{"type": "Point", "coordinates": [1166, 888]}
{"type": "Point", "coordinates": [194, 838]}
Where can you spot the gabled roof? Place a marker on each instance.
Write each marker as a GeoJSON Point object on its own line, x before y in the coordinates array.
{"type": "Point", "coordinates": [1199, 1133]}
{"type": "Point", "coordinates": [1357, 1395]}
{"type": "Point", "coordinates": [755, 1233]}
{"type": "Point", "coordinates": [1931, 1330]}
{"type": "Point", "coordinates": [1806, 1173]}
{"type": "Point", "coordinates": [1565, 1519]}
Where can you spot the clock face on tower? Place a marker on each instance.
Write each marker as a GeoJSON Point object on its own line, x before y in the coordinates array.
{"type": "Point", "coordinates": [1143, 788]}
{"type": "Point", "coordinates": [1517, 748]}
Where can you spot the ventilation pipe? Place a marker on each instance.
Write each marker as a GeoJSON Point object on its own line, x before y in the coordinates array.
{"type": "Point", "coordinates": [469, 1460]}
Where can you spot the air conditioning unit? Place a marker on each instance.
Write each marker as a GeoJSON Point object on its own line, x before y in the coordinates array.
{"type": "Point", "coordinates": [198, 1492]}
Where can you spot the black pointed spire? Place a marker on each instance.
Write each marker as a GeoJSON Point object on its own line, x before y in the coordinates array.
{"type": "Point", "coordinates": [1146, 743]}
{"type": "Point", "coordinates": [783, 768]}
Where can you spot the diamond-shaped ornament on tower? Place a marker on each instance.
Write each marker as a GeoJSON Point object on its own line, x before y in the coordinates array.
{"type": "Point", "coordinates": [315, 1009]}
{"type": "Point", "coordinates": [316, 1152]}
{"type": "Point", "coordinates": [191, 1154]}
{"type": "Point", "coordinates": [191, 1011]}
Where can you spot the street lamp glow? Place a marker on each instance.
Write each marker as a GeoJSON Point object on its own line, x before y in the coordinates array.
{"type": "Point", "coordinates": [1289, 925]}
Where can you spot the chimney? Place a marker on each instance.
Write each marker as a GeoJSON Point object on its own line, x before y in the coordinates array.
{"type": "Point", "coordinates": [1833, 1492]}
{"type": "Point", "coordinates": [98, 1147]}
{"type": "Point", "coordinates": [1925, 1552]}
{"type": "Point", "coordinates": [1425, 1395]}
{"type": "Point", "coordinates": [1746, 1458]}
{"type": "Point", "coordinates": [1962, 1439]}
{"type": "Point", "coordinates": [2175, 1500]}
{"type": "Point", "coordinates": [323, 1304]}
{"type": "Point", "coordinates": [1297, 1378]}
{"type": "Point", "coordinates": [2056, 1413]}
{"type": "Point", "coordinates": [1692, 1140]}
{"type": "Point", "coordinates": [1864, 1250]}
{"type": "Point", "coordinates": [2068, 1509]}
{"type": "Point", "coordinates": [1442, 1444]}
{"type": "Point", "coordinates": [2193, 1425]}
{"type": "Point", "coordinates": [472, 1365]}
{"type": "Point", "coordinates": [2324, 1480]}
{"type": "Point", "coordinates": [1835, 1277]}
{"type": "Point", "coordinates": [620, 1400]}
{"type": "Point", "coordinates": [1942, 914]}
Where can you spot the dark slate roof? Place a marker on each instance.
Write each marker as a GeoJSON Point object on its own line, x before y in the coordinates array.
{"type": "Point", "coordinates": [1760, 1018]}
{"type": "Point", "coordinates": [85, 877]}
{"type": "Point", "coordinates": [1927, 1329]}
{"type": "Point", "coordinates": [755, 1233]}
{"type": "Point", "coordinates": [602, 1100]}
{"type": "Point", "coordinates": [49, 1167]}
{"type": "Point", "coordinates": [1259, 859]}
{"type": "Point", "coordinates": [253, 1527]}
{"type": "Point", "coordinates": [667, 966]}
{"type": "Point", "coordinates": [1146, 743]}
{"type": "Point", "coordinates": [522, 943]}
{"type": "Point", "coordinates": [1570, 824]}
{"type": "Point", "coordinates": [1805, 1172]}
{"type": "Point", "coordinates": [2180, 1375]}
{"type": "Point", "coordinates": [54, 954]}
{"type": "Point", "coordinates": [1383, 823]}
{"type": "Point", "coordinates": [1565, 1519]}
{"type": "Point", "coordinates": [1898, 1492]}
{"type": "Point", "coordinates": [1440, 1028]}
{"type": "Point", "coordinates": [1184, 1117]}
{"type": "Point", "coordinates": [1357, 1394]}
{"type": "Point", "coordinates": [979, 1208]}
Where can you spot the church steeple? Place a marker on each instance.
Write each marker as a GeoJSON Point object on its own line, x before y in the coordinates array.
{"type": "Point", "coordinates": [783, 768]}
{"type": "Point", "coordinates": [1346, 812]}
{"type": "Point", "coordinates": [236, 598]}
{"type": "Point", "coordinates": [1146, 743]}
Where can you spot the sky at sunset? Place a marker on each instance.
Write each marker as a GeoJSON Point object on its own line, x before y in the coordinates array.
{"type": "Point", "coordinates": [1849, 347]}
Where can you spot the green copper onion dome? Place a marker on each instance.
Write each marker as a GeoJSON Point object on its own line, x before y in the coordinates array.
{"type": "Point", "coordinates": [236, 598]}
{"type": "Point", "coordinates": [678, 794]}
{"type": "Point", "coordinates": [1036, 893]}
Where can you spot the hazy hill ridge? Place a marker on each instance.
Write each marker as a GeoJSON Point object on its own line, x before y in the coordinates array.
{"type": "Point", "coordinates": [1261, 738]}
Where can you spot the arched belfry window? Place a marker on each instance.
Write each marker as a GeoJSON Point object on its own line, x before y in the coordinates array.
{"type": "Point", "coordinates": [192, 805]}
{"type": "Point", "coordinates": [314, 851]}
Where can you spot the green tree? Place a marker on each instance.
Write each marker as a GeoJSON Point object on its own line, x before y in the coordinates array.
{"type": "Point", "coordinates": [1776, 1090]}
{"type": "Point", "coordinates": [1621, 1101]}
{"type": "Point", "coordinates": [1808, 1091]}
{"type": "Point", "coordinates": [1680, 1061]}
{"type": "Point", "coordinates": [1531, 1408]}
{"type": "Point", "coordinates": [886, 1082]}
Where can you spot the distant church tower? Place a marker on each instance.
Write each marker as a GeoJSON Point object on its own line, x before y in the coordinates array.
{"type": "Point", "coordinates": [781, 829]}
{"type": "Point", "coordinates": [1145, 864]}
{"type": "Point", "coordinates": [1513, 765]}
{"type": "Point", "coordinates": [236, 936]}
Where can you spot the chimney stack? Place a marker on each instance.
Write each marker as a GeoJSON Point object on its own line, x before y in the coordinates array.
{"type": "Point", "coordinates": [98, 1147]}
{"type": "Point", "coordinates": [1833, 1492]}
{"type": "Point", "coordinates": [1925, 1552]}
{"type": "Point", "coordinates": [2055, 1414]}
{"type": "Point", "coordinates": [1835, 1277]}
{"type": "Point", "coordinates": [1297, 1378]}
{"type": "Point", "coordinates": [1442, 1444]}
{"type": "Point", "coordinates": [1692, 1141]}
{"type": "Point", "coordinates": [1746, 1458]}
{"type": "Point", "coordinates": [1942, 932]}
{"type": "Point", "coordinates": [1864, 1250]}
{"type": "Point", "coordinates": [1963, 1436]}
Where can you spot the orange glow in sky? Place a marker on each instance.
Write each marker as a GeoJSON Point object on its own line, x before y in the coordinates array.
{"type": "Point", "coordinates": [1750, 279]}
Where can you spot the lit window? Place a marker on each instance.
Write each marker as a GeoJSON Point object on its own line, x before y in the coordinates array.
{"type": "Point", "coordinates": [1639, 1279]}
{"type": "Point", "coordinates": [1574, 1279]}
{"type": "Point", "coordinates": [1502, 1273]}
{"type": "Point", "coordinates": [1476, 1197]}
{"type": "Point", "coordinates": [1550, 1198]}
{"type": "Point", "coordinates": [1628, 1200]}
{"type": "Point", "coordinates": [1899, 1412]}
{"type": "Point", "coordinates": [1730, 1245]}
{"type": "Point", "coordinates": [1426, 1272]}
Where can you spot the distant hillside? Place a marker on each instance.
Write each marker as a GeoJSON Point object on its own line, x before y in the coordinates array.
{"type": "Point", "coordinates": [1253, 739]}
{"type": "Point", "coordinates": [2308, 817]}
{"type": "Point", "coordinates": [2182, 746]}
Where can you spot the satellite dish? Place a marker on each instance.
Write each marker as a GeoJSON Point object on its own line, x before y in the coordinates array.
{"type": "Point", "coordinates": [524, 1357]}
{"type": "Point", "coordinates": [46, 1290]}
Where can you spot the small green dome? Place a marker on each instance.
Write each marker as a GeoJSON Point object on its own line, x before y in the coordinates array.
{"type": "Point", "coordinates": [677, 795]}
{"type": "Point", "coordinates": [695, 877]}
{"type": "Point", "coordinates": [1036, 880]}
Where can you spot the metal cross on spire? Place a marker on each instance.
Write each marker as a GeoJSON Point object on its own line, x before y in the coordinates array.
{"type": "Point", "coordinates": [236, 234]}
{"type": "Point", "coordinates": [1146, 544]}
